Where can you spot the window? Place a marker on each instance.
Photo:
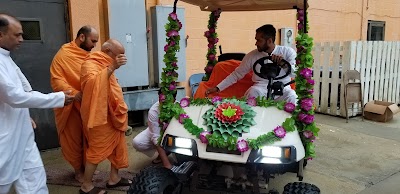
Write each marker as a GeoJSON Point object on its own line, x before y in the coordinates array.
{"type": "Point", "coordinates": [32, 29]}
{"type": "Point", "coordinates": [376, 30]}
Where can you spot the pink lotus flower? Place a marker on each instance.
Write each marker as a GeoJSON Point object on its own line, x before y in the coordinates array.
{"type": "Point", "coordinates": [280, 132]}
{"type": "Point", "coordinates": [174, 64]}
{"type": "Point", "coordinates": [161, 98]}
{"type": "Point", "coordinates": [300, 48]}
{"type": "Point", "coordinates": [208, 69]}
{"type": "Point", "coordinates": [172, 86]}
{"type": "Point", "coordinates": [308, 134]}
{"type": "Point", "coordinates": [311, 91]}
{"type": "Point", "coordinates": [172, 33]}
{"type": "Point", "coordinates": [311, 81]}
{"type": "Point", "coordinates": [172, 43]}
{"type": "Point", "coordinates": [207, 34]}
{"type": "Point", "coordinates": [164, 126]}
{"type": "Point", "coordinates": [307, 104]}
{"type": "Point", "coordinates": [242, 145]}
{"type": "Point", "coordinates": [289, 107]}
{"type": "Point", "coordinates": [216, 99]}
{"type": "Point", "coordinates": [251, 101]}
{"type": "Point", "coordinates": [216, 13]}
{"type": "Point", "coordinates": [210, 46]}
{"type": "Point", "coordinates": [203, 136]}
{"type": "Point", "coordinates": [175, 74]}
{"type": "Point", "coordinates": [300, 26]}
{"type": "Point", "coordinates": [306, 73]}
{"type": "Point", "coordinates": [166, 47]}
{"type": "Point", "coordinates": [180, 25]}
{"type": "Point", "coordinates": [211, 57]}
{"type": "Point", "coordinates": [309, 119]}
{"type": "Point", "coordinates": [302, 116]}
{"type": "Point", "coordinates": [300, 12]}
{"type": "Point", "coordinates": [212, 30]}
{"type": "Point", "coordinates": [300, 18]}
{"type": "Point", "coordinates": [173, 16]}
{"type": "Point", "coordinates": [185, 102]}
{"type": "Point", "coordinates": [182, 118]}
{"type": "Point", "coordinates": [169, 73]}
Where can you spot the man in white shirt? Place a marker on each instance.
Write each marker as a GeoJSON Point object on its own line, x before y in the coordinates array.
{"type": "Point", "coordinates": [265, 42]}
{"type": "Point", "coordinates": [147, 140]}
{"type": "Point", "coordinates": [20, 162]}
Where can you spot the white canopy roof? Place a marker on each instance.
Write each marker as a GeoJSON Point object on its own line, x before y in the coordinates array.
{"type": "Point", "coordinates": [246, 5]}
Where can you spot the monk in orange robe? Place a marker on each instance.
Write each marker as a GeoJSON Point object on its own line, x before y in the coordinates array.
{"type": "Point", "coordinates": [104, 115]}
{"type": "Point", "coordinates": [65, 71]}
{"type": "Point", "coordinates": [221, 71]}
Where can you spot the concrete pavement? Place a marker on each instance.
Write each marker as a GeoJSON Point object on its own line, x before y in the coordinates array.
{"type": "Point", "coordinates": [355, 157]}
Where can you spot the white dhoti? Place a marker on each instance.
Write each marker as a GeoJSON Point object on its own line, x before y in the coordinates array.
{"type": "Point", "coordinates": [31, 181]}
{"type": "Point", "coordinates": [143, 143]}
{"type": "Point", "coordinates": [289, 95]}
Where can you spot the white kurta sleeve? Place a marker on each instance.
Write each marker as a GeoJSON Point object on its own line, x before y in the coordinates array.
{"type": "Point", "coordinates": [238, 74]}
{"type": "Point", "coordinates": [154, 126]}
{"type": "Point", "coordinates": [13, 93]}
{"type": "Point", "coordinates": [291, 58]}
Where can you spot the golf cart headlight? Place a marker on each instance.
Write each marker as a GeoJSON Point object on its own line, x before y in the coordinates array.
{"type": "Point", "coordinates": [271, 151]}
{"type": "Point", "coordinates": [183, 143]}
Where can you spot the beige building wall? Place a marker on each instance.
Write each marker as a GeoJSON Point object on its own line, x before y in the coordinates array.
{"type": "Point", "coordinates": [330, 20]}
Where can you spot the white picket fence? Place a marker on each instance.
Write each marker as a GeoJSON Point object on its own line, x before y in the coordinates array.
{"type": "Point", "coordinates": [377, 61]}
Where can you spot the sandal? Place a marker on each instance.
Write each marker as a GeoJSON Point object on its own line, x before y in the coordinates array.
{"type": "Point", "coordinates": [157, 161]}
{"type": "Point", "coordinates": [121, 183]}
{"type": "Point", "coordinates": [95, 190]}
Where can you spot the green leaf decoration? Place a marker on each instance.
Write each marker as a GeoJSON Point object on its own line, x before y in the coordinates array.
{"type": "Point", "coordinates": [230, 129]}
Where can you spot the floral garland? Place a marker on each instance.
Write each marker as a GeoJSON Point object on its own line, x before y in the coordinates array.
{"type": "Point", "coordinates": [169, 75]}
{"type": "Point", "coordinates": [304, 87]}
{"type": "Point", "coordinates": [212, 38]}
{"type": "Point", "coordinates": [231, 142]}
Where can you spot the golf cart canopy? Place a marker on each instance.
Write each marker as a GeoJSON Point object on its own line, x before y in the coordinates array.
{"type": "Point", "coordinates": [246, 5]}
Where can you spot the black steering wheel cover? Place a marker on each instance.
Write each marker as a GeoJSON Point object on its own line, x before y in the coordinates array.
{"type": "Point", "coordinates": [261, 62]}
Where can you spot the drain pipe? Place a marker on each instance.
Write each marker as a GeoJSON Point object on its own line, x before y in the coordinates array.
{"type": "Point", "coordinates": [305, 17]}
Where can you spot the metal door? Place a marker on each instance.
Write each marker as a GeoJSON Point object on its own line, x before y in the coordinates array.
{"type": "Point", "coordinates": [45, 31]}
{"type": "Point", "coordinates": [127, 24]}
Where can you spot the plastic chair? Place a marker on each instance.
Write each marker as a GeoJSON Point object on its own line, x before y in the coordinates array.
{"type": "Point", "coordinates": [194, 81]}
{"type": "Point", "coordinates": [352, 91]}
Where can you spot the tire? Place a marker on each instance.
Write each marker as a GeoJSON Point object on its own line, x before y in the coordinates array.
{"type": "Point", "coordinates": [155, 180]}
{"type": "Point", "coordinates": [301, 188]}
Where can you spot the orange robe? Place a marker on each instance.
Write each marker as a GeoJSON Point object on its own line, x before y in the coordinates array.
{"type": "Point", "coordinates": [104, 112]}
{"type": "Point", "coordinates": [65, 75]}
{"type": "Point", "coordinates": [221, 71]}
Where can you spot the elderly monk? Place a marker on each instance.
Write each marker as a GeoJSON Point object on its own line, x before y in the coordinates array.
{"type": "Point", "coordinates": [104, 115]}
{"type": "Point", "coordinates": [65, 72]}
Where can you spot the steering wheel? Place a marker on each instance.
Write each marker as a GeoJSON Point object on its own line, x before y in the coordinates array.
{"type": "Point", "coordinates": [270, 70]}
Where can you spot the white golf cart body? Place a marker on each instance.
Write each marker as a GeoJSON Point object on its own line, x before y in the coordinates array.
{"type": "Point", "coordinates": [266, 120]}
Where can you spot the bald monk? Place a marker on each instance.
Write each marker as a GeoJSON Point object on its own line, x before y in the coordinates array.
{"type": "Point", "coordinates": [104, 115]}
{"type": "Point", "coordinates": [65, 72]}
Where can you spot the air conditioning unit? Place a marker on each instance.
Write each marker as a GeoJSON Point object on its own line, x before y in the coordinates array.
{"type": "Point", "coordinates": [287, 37]}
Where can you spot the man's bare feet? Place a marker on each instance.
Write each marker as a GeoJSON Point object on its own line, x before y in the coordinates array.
{"type": "Point", "coordinates": [96, 172]}
{"type": "Point", "coordinates": [79, 177]}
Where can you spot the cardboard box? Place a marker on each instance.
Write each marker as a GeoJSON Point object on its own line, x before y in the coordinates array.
{"type": "Point", "coordinates": [380, 111]}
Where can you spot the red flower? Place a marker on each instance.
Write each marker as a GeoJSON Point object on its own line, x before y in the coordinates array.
{"type": "Point", "coordinates": [221, 115]}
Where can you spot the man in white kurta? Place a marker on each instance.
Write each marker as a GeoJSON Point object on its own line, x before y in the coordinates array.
{"type": "Point", "coordinates": [265, 37]}
{"type": "Point", "coordinates": [20, 162]}
{"type": "Point", "coordinates": [147, 141]}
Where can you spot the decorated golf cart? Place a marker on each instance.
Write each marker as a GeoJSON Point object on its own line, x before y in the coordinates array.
{"type": "Point", "coordinates": [235, 144]}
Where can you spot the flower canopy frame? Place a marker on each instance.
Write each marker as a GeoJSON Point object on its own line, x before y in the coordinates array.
{"type": "Point", "coordinates": [303, 115]}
